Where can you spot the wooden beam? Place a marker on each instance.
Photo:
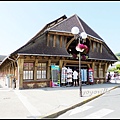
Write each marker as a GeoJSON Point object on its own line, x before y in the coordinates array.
{"type": "Point", "coordinates": [20, 72]}
{"type": "Point", "coordinates": [54, 41]}
{"type": "Point", "coordinates": [93, 65]}
{"type": "Point", "coordinates": [48, 69]}
{"type": "Point", "coordinates": [60, 64]}
{"type": "Point", "coordinates": [61, 33]}
{"type": "Point", "coordinates": [88, 65]}
{"type": "Point", "coordinates": [61, 41]}
{"type": "Point", "coordinates": [76, 62]}
{"type": "Point", "coordinates": [92, 46]}
{"type": "Point", "coordinates": [69, 43]}
{"type": "Point", "coordinates": [48, 39]}
{"type": "Point", "coordinates": [65, 40]}
{"type": "Point", "coordinates": [93, 39]}
{"type": "Point", "coordinates": [35, 69]}
{"type": "Point", "coordinates": [101, 48]}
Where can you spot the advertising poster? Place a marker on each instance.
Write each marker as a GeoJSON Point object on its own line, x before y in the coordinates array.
{"type": "Point", "coordinates": [84, 75]}
{"type": "Point", "coordinates": [55, 74]}
{"type": "Point", "coordinates": [91, 75]}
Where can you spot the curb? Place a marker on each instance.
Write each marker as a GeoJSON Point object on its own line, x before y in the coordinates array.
{"type": "Point", "coordinates": [56, 114]}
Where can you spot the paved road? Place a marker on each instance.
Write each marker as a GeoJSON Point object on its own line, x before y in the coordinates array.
{"type": "Point", "coordinates": [104, 107]}
{"type": "Point", "coordinates": [46, 102]}
{"type": "Point", "coordinates": [113, 81]}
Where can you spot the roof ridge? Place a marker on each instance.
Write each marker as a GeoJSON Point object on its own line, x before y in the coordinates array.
{"type": "Point", "coordinates": [57, 20]}
{"type": "Point", "coordinates": [62, 21]}
{"type": "Point", "coordinates": [46, 26]}
{"type": "Point", "coordinates": [79, 22]}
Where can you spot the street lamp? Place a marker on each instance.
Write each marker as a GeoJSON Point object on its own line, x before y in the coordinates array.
{"type": "Point", "coordinates": [80, 36]}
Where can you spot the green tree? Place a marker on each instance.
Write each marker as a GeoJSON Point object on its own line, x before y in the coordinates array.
{"type": "Point", "coordinates": [116, 69]}
{"type": "Point", "coordinates": [118, 66]}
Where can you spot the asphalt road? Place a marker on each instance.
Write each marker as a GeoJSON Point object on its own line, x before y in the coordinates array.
{"type": "Point", "coordinates": [104, 107]}
{"type": "Point", "coordinates": [39, 103]}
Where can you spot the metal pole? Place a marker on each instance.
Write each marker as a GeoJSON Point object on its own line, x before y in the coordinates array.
{"type": "Point", "coordinates": [80, 73]}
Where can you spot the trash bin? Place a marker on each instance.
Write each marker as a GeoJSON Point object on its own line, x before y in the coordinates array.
{"type": "Point", "coordinates": [50, 83]}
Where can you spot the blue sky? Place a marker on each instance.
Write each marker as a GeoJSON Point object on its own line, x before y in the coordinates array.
{"type": "Point", "coordinates": [21, 20]}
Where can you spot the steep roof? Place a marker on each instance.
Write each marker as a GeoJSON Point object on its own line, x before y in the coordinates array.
{"type": "Point", "coordinates": [2, 57]}
{"type": "Point", "coordinates": [106, 54]}
{"type": "Point", "coordinates": [37, 45]}
{"type": "Point", "coordinates": [49, 25]}
{"type": "Point", "coordinates": [67, 24]}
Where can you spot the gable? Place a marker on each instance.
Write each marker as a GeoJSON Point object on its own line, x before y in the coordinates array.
{"type": "Point", "coordinates": [67, 24]}
{"type": "Point", "coordinates": [38, 44]}
{"type": "Point", "coordinates": [39, 47]}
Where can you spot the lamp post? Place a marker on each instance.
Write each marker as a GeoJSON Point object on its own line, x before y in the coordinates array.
{"type": "Point", "coordinates": [80, 36]}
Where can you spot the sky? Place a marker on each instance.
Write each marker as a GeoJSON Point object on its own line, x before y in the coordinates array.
{"type": "Point", "coordinates": [22, 20]}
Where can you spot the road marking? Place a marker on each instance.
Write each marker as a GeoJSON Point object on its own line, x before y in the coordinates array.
{"type": "Point", "coordinates": [80, 109]}
{"type": "Point", "coordinates": [99, 113]}
{"type": "Point", "coordinates": [27, 104]}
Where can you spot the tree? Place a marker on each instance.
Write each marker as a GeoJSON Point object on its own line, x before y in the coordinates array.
{"type": "Point", "coordinates": [116, 69]}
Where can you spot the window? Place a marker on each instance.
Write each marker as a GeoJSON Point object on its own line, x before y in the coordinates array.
{"type": "Point", "coordinates": [95, 71]}
{"type": "Point", "coordinates": [41, 71]}
{"type": "Point", "coordinates": [102, 71]}
{"type": "Point", "coordinates": [28, 71]}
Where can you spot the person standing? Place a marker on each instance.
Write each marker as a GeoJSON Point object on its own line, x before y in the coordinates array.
{"type": "Point", "coordinates": [109, 77]}
{"type": "Point", "coordinates": [115, 77]}
{"type": "Point", "coordinates": [14, 83]}
{"type": "Point", "coordinates": [75, 77]}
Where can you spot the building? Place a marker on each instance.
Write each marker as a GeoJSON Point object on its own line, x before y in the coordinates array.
{"type": "Point", "coordinates": [2, 57]}
{"type": "Point", "coordinates": [54, 45]}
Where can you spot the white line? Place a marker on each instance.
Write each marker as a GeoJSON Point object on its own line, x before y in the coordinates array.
{"type": "Point", "coordinates": [27, 104]}
{"type": "Point", "coordinates": [99, 114]}
{"type": "Point", "coordinates": [80, 109]}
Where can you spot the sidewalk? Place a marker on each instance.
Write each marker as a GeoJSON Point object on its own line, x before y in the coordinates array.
{"type": "Point", "coordinates": [47, 102]}
{"type": "Point", "coordinates": [70, 98]}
